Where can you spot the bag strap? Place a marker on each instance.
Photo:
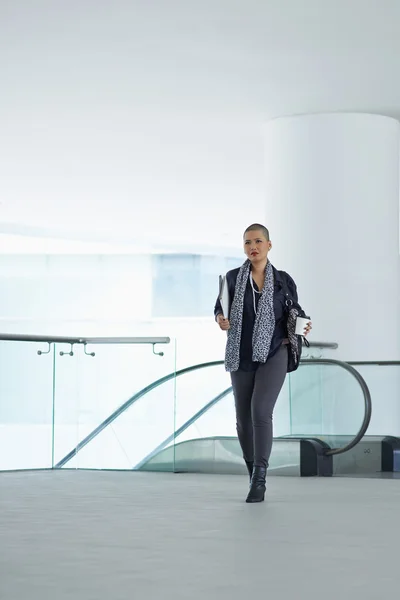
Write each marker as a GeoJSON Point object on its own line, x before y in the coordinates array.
{"type": "Point", "coordinates": [290, 303]}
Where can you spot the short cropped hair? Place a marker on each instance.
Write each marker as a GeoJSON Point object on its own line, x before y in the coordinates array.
{"type": "Point", "coordinates": [258, 227]}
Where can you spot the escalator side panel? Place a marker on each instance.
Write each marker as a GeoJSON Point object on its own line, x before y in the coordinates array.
{"type": "Point", "coordinates": [313, 460]}
{"type": "Point", "coordinates": [390, 454]}
{"type": "Point", "coordinates": [223, 456]}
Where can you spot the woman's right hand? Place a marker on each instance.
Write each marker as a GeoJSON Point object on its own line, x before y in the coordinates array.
{"type": "Point", "coordinates": [223, 323]}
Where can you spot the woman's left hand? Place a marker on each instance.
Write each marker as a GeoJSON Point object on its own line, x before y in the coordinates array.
{"type": "Point", "coordinates": [307, 329]}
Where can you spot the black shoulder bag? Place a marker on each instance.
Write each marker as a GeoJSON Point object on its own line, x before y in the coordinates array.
{"type": "Point", "coordinates": [293, 310]}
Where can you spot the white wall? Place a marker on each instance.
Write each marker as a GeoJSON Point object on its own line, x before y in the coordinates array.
{"type": "Point", "coordinates": [332, 196]}
{"type": "Point", "coordinates": [55, 289]}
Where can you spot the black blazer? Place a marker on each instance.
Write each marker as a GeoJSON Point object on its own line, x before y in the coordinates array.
{"type": "Point", "coordinates": [283, 285]}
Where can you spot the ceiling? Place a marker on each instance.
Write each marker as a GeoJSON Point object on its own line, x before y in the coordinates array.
{"type": "Point", "coordinates": [141, 120]}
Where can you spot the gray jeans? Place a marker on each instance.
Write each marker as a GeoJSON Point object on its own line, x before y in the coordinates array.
{"type": "Point", "coordinates": [255, 394]}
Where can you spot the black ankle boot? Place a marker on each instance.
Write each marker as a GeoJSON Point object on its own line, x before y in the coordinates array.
{"type": "Point", "coordinates": [257, 487]}
{"type": "Point", "coordinates": [249, 466]}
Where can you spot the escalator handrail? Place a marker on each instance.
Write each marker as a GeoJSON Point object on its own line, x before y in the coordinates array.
{"type": "Point", "coordinates": [158, 382]}
{"type": "Point", "coordinates": [376, 363]}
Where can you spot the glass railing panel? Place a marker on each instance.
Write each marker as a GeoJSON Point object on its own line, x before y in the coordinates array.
{"type": "Point", "coordinates": [197, 388]}
{"type": "Point", "coordinates": [26, 405]}
{"type": "Point", "coordinates": [383, 380]}
{"type": "Point", "coordinates": [326, 400]}
{"type": "Point", "coordinates": [91, 388]}
{"type": "Point", "coordinates": [213, 419]}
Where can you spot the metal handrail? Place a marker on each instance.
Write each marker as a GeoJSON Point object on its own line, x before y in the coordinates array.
{"type": "Point", "coordinates": [377, 363]}
{"type": "Point", "coordinates": [57, 339]}
{"type": "Point", "coordinates": [157, 383]}
{"type": "Point", "coordinates": [54, 339]}
{"type": "Point", "coordinates": [324, 345]}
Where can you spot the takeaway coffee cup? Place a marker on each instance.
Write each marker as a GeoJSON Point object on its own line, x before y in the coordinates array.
{"type": "Point", "coordinates": [301, 324]}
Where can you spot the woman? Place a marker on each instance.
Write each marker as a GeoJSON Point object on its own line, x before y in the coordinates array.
{"type": "Point", "coordinates": [258, 348]}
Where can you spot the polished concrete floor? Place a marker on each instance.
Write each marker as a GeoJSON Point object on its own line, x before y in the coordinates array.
{"type": "Point", "coordinates": [144, 536]}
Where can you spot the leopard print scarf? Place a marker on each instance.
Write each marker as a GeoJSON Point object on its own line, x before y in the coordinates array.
{"type": "Point", "coordinates": [264, 325]}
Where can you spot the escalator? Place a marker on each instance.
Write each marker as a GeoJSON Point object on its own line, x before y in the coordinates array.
{"type": "Point", "coordinates": [312, 454]}
{"type": "Point", "coordinates": [204, 442]}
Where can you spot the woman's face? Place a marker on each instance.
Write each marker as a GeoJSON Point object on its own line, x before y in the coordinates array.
{"type": "Point", "coordinates": [256, 246]}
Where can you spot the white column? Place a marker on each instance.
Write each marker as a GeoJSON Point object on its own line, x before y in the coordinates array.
{"type": "Point", "coordinates": [333, 210]}
{"type": "Point", "coordinates": [332, 201]}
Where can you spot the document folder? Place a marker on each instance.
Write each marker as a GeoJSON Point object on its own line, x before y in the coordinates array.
{"type": "Point", "coordinates": [224, 296]}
